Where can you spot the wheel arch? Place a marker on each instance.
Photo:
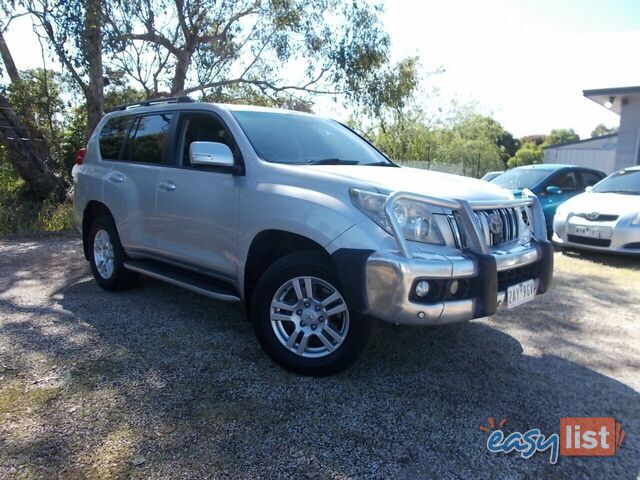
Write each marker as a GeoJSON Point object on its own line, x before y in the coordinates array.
{"type": "Point", "coordinates": [269, 246]}
{"type": "Point", "coordinates": [92, 210]}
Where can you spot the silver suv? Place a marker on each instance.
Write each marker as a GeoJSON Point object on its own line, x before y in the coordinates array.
{"type": "Point", "coordinates": [304, 221]}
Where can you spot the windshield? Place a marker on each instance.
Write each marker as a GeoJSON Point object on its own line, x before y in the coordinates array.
{"type": "Point", "coordinates": [624, 181]}
{"type": "Point", "coordinates": [300, 139]}
{"type": "Point", "coordinates": [521, 178]}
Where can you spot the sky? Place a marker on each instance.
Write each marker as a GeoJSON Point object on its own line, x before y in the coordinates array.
{"type": "Point", "coordinates": [525, 62]}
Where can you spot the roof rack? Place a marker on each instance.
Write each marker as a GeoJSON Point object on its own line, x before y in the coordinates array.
{"type": "Point", "coordinates": [155, 101]}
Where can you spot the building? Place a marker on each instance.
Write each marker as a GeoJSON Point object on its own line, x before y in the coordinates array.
{"type": "Point", "coordinates": [597, 152]}
{"type": "Point", "coordinates": [610, 152]}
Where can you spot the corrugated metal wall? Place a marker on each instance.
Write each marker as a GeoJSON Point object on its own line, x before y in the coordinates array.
{"type": "Point", "coordinates": [628, 134]}
{"type": "Point", "coordinates": [598, 153]}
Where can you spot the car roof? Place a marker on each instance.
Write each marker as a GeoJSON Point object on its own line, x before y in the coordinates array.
{"type": "Point", "coordinates": [172, 105]}
{"type": "Point", "coordinates": [552, 167]}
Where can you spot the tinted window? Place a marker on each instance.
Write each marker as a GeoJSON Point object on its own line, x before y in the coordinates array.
{"type": "Point", "coordinates": [589, 178]}
{"type": "Point", "coordinates": [624, 181]}
{"type": "Point", "coordinates": [521, 178]}
{"type": "Point", "coordinates": [566, 181]}
{"type": "Point", "coordinates": [148, 141]}
{"type": "Point", "coordinates": [112, 136]}
{"type": "Point", "coordinates": [299, 139]}
{"type": "Point", "coordinates": [203, 129]}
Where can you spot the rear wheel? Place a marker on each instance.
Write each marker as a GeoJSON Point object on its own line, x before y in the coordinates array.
{"type": "Point", "coordinates": [302, 320]}
{"type": "Point", "coordinates": [107, 257]}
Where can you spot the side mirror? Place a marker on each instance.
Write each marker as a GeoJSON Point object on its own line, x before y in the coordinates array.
{"type": "Point", "coordinates": [213, 154]}
{"type": "Point", "coordinates": [553, 190]}
{"type": "Point", "coordinates": [589, 188]}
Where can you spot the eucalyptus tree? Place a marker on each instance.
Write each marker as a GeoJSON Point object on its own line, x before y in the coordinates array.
{"type": "Point", "coordinates": [299, 48]}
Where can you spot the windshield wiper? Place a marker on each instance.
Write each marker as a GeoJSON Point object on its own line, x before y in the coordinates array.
{"type": "Point", "coordinates": [332, 161]}
{"type": "Point", "coordinates": [629, 192]}
{"type": "Point", "coordinates": [380, 164]}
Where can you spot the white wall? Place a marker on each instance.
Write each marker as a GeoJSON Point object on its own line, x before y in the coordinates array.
{"type": "Point", "coordinates": [628, 134]}
{"type": "Point", "coordinates": [599, 153]}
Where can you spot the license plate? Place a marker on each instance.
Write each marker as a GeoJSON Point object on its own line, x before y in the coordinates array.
{"type": "Point", "coordinates": [588, 232]}
{"type": "Point", "coordinates": [520, 293]}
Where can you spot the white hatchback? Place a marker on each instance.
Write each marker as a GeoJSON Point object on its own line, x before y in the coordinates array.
{"type": "Point", "coordinates": [606, 217]}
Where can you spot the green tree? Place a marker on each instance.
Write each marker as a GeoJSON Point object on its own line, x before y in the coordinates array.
{"type": "Point", "coordinates": [561, 135]}
{"type": "Point", "coordinates": [326, 47]}
{"type": "Point", "coordinates": [602, 129]}
{"type": "Point", "coordinates": [528, 154]}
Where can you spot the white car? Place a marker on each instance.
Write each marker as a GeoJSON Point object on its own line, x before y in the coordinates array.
{"type": "Point", "coordinates": [605, 218]}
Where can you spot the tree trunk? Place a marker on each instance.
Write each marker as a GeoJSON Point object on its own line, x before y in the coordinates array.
{"type": "Point", "coordinates": [180, 76]}
{"type": "Point", "coordinates": [26, 158]}
{"type": "Point", "coordinates": [95, 89]}
{"type": "Point", "coordinates": [7, 59]}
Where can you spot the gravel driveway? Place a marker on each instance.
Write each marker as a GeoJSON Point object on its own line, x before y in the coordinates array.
{"type": "Point", "coordinates": [158, 382]}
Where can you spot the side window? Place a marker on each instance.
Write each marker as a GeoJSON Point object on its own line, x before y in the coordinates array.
{"type": "Point", "coordinates": [203, 128]}
{"type": "Point", "coordinates": [112, 137]}
{"type": "Point", "coordinates": [148, 138]}
{"type": "Point", "coordinates": [589, 179]}
{"type": "Point", "coordinates": [567, 181]}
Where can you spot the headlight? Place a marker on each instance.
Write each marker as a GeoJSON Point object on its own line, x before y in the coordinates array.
{"type": "Point", "coordinates": [636, 220]}
{"type": "Point", "coordinates": [415, 218]}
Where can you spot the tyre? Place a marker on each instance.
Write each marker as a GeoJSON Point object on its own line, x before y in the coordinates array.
{"type": "Point", "coordinates": [302, 320]}
{"type": "Point", "coordinates": [107, 257]}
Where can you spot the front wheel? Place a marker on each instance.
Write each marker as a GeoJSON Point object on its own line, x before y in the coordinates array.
{"type": "Point", "coordinates": [302, 320]}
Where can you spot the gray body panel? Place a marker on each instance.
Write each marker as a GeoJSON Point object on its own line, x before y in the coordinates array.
{"type": "Point", "coordinates": [209, 220]}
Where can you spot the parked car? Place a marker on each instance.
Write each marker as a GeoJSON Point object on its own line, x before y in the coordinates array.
{"type": "Point", "coordinates": [304, 221]}
{"type": "Point", "coordinates": [605, 218]}
{"type": "Point", "coordinates": [491, 175]}
{"type": "Point", "coordinates": [553, 184]}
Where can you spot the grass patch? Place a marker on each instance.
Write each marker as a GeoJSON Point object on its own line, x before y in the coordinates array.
{"type": "Point", "coordinates": [20, 212]}
{"type": "Point", "coordinates": [15, 399]}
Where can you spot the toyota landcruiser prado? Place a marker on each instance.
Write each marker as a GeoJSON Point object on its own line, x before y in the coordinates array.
{"type": "Point", "coordinates": [304, 221]}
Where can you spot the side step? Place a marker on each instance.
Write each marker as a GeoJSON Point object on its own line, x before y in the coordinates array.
{"type": "Point", "coordinates": [195, 282]}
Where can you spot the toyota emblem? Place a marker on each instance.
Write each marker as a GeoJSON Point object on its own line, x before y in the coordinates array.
{"type": "Point", "coordinates": [495, 224]}
{"type": "Point", "coordinates": [592, 215]}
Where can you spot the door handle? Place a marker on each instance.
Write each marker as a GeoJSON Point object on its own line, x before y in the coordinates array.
{"type": "Point", "coordinates": [116, 178]}
{"type": "Point", "coordinates": [167, 186]}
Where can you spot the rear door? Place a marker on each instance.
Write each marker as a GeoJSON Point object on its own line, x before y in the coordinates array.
{"type": "Point", "coordinates": [130, 187]}
{"type": "Point", "coordinates": [198, 206]}
{"type": "Point", "coordinates": [590, 178]}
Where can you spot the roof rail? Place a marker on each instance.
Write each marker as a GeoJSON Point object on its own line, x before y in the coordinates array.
{"type": "Point", "coordinates": [155, 101]}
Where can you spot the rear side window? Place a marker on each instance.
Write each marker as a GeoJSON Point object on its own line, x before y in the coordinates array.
{"type": "Point", "coordinates": [112, 137]}
{"type": "Point", "coordinates": [590, 179]}
{"type": "Point", "coordinates": [148, 138]}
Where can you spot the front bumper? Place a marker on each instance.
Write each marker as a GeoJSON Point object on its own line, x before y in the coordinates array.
{"type": "Point", "coordinates": [616, 236]}
{"type": "Point", "coordinates": [481, 273]}
{"type": "Point", "coordinates": [482, 280]}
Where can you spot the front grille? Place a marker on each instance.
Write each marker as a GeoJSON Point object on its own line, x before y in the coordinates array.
{"type": "Point", "coordinates": [500, 225]}
{"type": "Point", "coordinates": [594, 242]}
{"type": "Point", "coordinates": [507, 278]}
{"type": "Point", "coordinates": [600, 217]}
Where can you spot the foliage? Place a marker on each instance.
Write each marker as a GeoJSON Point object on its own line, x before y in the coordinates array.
{"type": "Point", "coordinates": [528, 154]}
{"type": "Point", "coordinates": [470, 142]}
{"type": "Point", "coordinates": [325, 46]}
{"type": "Point", "coordinates": [561, 135]}
{"type": "Point", "coordinates": [21, 212]}
{"type": "Point", "coordinates": [602, 129]}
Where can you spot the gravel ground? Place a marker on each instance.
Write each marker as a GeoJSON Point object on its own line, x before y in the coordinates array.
{"type": "Point", "coordinates": [158, 382]}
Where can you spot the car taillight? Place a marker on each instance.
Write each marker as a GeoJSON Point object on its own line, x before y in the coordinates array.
{"type": "Point", "coordinates": [80, 156]}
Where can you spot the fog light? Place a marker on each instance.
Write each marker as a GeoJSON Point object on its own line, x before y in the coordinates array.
{"type": "Point", "coordinates": [453, 287]}
{"type": "Point", "coordinates": [422, 288]}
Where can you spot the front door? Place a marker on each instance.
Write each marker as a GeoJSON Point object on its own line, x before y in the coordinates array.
{"type": "Point", "coordinates": [569, 184]}
{"type": "Point", "coordinates": [198, 206]}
